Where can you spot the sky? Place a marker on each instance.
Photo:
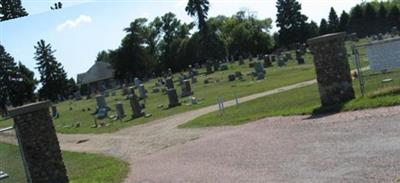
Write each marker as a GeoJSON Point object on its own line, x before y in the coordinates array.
{"type": "Point", "coordinates": [84, 27]}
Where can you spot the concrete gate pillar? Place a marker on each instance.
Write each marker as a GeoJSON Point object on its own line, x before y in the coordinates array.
{"type": "Point", "coordinates": [39, 145]}
{"type": "Point", "coordinates": [332, 68]}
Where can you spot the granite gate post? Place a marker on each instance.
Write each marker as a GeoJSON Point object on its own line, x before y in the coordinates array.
{"type": "Point", "coordinates": [39, 145]}
{"type": "Point", "coordinates": [332, 68]}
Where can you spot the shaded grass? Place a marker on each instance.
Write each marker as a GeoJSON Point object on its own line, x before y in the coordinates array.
{"type": "Point", "coordinates": [81, 167]}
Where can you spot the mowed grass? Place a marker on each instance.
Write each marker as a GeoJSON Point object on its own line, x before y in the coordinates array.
{"type": "Point", "coordinates": [306, 101]}
{"type": "Point", "coordinates": [81, 167]}
{"type": "Point", "coordinates": [207, 93]}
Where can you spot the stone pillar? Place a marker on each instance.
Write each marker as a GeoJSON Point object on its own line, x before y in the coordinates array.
{"type": "Point", "coordinates": [135, 105]}
{"type": "Point", "coordinates": [332, 68]}
{"type": "Point", "coordinates": [39, 145]}
{"type": "Point", "coordinates": [173, 98]}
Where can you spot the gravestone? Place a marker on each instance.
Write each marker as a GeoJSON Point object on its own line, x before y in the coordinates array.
{"type": "Point", "coordinates": [251, 65]}
{"type": "Point", "coordinates": [136, 107]}
{"type": "Point", "coordinates": [120, 110]}
{"type": "Point", "coordinates": [231, 77]}
{"type": "Point", "coordinates": [238, 74]}
{"type": "Point", "coordinates": [267, 61]}
{"type": "Point", "coordinates": [78, 95]}
{"type": "Point", "coordinates": [260, 76]}
{"type": "Point", "coordinates": [224, 67]}
{"type": "Point", "coordinates": [101, 101]}
{"type": "Point", "coordinates": [37, 139]}
{"type": "Point", "coordinates": [125, 90]}
{"type": "Point", "coordinates": [194, 80]}
{"type": "Point", "coordinates": [169, 72]}
{"type": "Point", "coordinates": [288, 56]}
{"type": "Point", "coordinates": [172, 98]}
{"type": "Point", "coordinates": [259, 67]}
{"type": "Point", "coordinates": [170, 83]}
{"type": "Point", "coordinates": [332, 68]}
{"type": "Point", "coordinates": [241, 61]}
{"type": "Point", "coordinates": [395, 32]}
{"type": "Point", "coordinates": [156, 90]}
{"type": "Point", "coordinates": [299, 57]}
{"type": "Point", "coordinates": [281, 61]}
{"type": "Point", "coordinates": [54, 112]}
{"type": "Point", "coordinates": [186, 89]}
{"type": "Point", "coordinates": [142, 92]}
{"type": "Point", "coordinates": [106, 93]}
{"type": "Point", "coordinates": [138, 82]}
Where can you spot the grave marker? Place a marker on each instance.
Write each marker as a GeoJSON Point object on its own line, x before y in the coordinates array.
{"type": "Point", "coordinates": [173, 98]}
{"type": "Point", "coordinates": [136, 107]}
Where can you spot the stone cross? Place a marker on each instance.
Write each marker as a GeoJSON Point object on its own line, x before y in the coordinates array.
{"type": "Point", "coordinates": [332, 68]}
{"type": "Point", "coordinates": [39, 145]}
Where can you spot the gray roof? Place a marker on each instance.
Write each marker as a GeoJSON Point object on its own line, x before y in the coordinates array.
{"type": "Point", "coordinates": [79, 78]}
{"type": "Point", "coordinates": [98, 72]}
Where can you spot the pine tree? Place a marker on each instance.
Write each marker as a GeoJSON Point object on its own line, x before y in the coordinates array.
{"type": "Point", "coordinates": [370, 21]}
{"type": "Point", "coordinates": [394, 17]}
{"type": "Point", "coordinates": [383, 25]}
{"type": "Point", "coordinates": [333, 21]}
{"type": "Point", "coordinates": [344, 22]}
{"type": "Point", "coordinates": [323, 27]}
{"type": "Point", "coordinates": [26, 86]}
{"type": "Point", "coordinates": [356, 21]}
{"type": "Point", "coordinates": [291, 22]}
{"type": "Point", "coordinates": [200, 9]}
{"type": "Point", "coordinates": [11, 9]}
{"type": "Point", "coordinates": [52, 75]}
{"type": "Point", "coordinates": [8, 79]}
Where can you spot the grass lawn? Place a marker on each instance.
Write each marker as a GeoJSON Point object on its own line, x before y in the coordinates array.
{"type": "Point", "coordinates": [276, 77]}
{"type": "Point", "coordinates": [304, 101]}
{"type": "Point", "coordinates": [81, 167]}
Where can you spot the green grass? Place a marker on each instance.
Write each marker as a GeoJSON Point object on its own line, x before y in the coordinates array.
{"type": "Point", "coordinates": [303, 101]}
{"type": "Point", "coordinates": [276, 77]}
{"type": "Point", "coordinates": [81, 167]}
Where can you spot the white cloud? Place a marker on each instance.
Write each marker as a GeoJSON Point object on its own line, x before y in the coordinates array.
{"type": "Point", "coordinates": [74, 23]}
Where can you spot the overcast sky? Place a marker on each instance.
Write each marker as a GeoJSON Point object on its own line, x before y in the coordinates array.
{"type": "Point", "coordinates": [83, 28]}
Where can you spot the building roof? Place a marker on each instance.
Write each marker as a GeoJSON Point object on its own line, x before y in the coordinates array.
{"type": "Point", "coordinates": [98, 72]}
{"type": "Point", "coordinates": [79, 78]}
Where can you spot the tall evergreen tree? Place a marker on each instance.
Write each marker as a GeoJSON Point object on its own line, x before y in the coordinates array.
{"type": "Point", "coordinates": [291, 22]}
{"type": "Point", "coordinates": [11, 9]}
{"type": "Point", "coordinates": [323, 27]}
{"type": "Point", "coordinates": [394, 17]}
{"type": "Point", "coordinates": [8, 75]}
{"type": "Point", "coordinates": [26, 85]}
{"type": "Point", "coordinates": [356, 21]}
{"type": "Point", "coordinates": [344, 22]}
{"type": "Point", "coordinates": [200, 9]}
{"type": "Point", "coordinates": [333, 21]}
{"type": "Point", "coordinates": [312, 29]}
{"type": "Point", "coordinates": [370, 21]}
{"type": "Point", "coordinates": [383, 25]}
{"type": "Point", "coordinates": [52, 75]}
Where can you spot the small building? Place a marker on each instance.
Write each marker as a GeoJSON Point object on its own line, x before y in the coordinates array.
{"type": "Point", "coordinates": [98, 78]}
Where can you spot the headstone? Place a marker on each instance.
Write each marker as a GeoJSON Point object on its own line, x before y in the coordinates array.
{"type": "Point", "coordinates": [259, 67]}
{"type": "Point", "coordinates": [238, 74]}
{"type": "Point", "coordinates": [281, 61]}
{"type": "Point", "coordinates": [138, 82]}
{"type": "Point", "coordinates": [288, 56]}
{"type": "Point", "coordinates": [101, 102]}
{"type": "Point", "coordinates": [169, 83]}
{"type": "Point", "coordinates": [251, 65]}
{"type": "Point", "coordinates": [332, 68]}
{"type": "Point", "coordinates": [395, 32]}
{"type": "Point", "coordinates": [380, 36]}
{"type": "Point", "coordinates": [209, 69]}
{"type": "Point", "coordinates": [142, 92]}
{"type": "Point", "coordinates": [106, 93]}
{"type": "Point", "coordinates": [260, 76]}
{"type": "Point", "coordinates": [169, 72]}
{"type": "Point", "coordinates": [125, 90]}
{"type": "Point", "coordinates": [120, 110]}
{"type": "Point", "coordinates": [78, 95]}
{"type": "Point", "coordinates": [216, 65]}
{"type": "Point", "coordinates": [267, 61]}
{"type": "Point", "coordinates": [54, 112]}
{"type": "Point", "coordinates": [224, 67]}
{"type": "Point", "coordinates": [299, 58]}
{"type": "Point", "coordinates": [156, 90]}
{"type": "Point", "coordinates": [186, 89]}
{"type": "Point", "coordinates": [173, 98]}
{"type": "Point", "coordinates": [136, 107]}
{"type": "Point", "coordinates": [37, 139]}
{"type": "Point", "coordinates": [194, 80]}
{"type": "Point", "coordinates": [241, 61]}
{"type": "Point", "coordinates": [231, 77]}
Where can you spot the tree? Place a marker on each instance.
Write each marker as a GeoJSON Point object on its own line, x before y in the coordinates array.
{"type": "Point", "coordinates": [383, 25]}
{"type": "Point", "coordinates": [11, 9]}
{"type": "Point", "coordinates": [52, 75]}
{"type": "Point", "coordinates": [103, 56]}
{"type": "Point", "coordinates": [312, 29]}
{"type": "Point", "coordinates": [200, 9]}
{"type": "Point", "coordinates": [8, 75]}
{"type": "Point", "coordinates": [356, 21]}
{"type": "Point", "coordinates": [333, 21]}
{"type": "Point", "coordinates": [344, 21]}
{"type": "Point", "coordinates": [26, 85]}
{"type": "Point", "coordinates": [290, 21]}
{"type": "Point", "coordinates": [370, 21]}
{"type": "Point", "coordinates": [394, 17]}
{"type": "Point", "coordinates": [323, 27]}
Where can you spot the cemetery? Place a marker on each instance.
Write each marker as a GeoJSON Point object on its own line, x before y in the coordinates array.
{"type": "Point", "coordinates": [143, 105]}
